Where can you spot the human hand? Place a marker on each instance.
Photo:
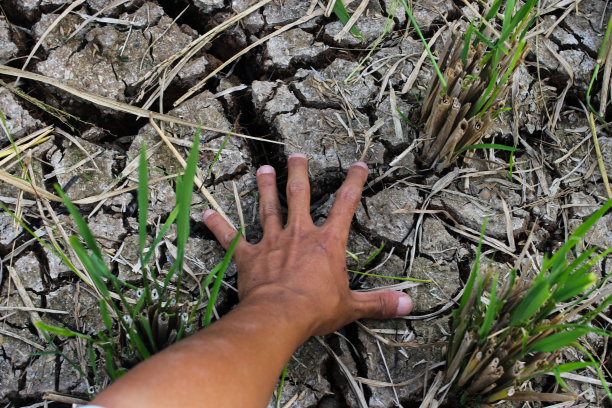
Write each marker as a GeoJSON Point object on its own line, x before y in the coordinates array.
{"type": "Point", "coordinates": [302, 267]}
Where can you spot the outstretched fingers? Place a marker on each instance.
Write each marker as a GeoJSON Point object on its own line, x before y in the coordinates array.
{"type": "Point", "coordinates": [347, 199]}
{"type": "Point", "coordinates": [224, 232]}
{"type": "Point", "coordinates": [381, 304]}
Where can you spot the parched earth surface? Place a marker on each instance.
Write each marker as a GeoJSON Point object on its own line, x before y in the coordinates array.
{"type": "Point", "coordinates": [293, 90]}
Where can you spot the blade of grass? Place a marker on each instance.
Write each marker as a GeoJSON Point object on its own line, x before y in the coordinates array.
{"type": "Point", "coordinates": [373, 256]}
{"type": "Point", "coordinates": [184, 195]}
{"type": "Point", "coordinates": [596, 366]}
{"type": "Point", "coordinates": [143, 201]}
{"type": "Point", "coordinates": [61, 331]}
{"type": "Point", "coordinates": [431, 57]}
{"type": "Point", "coordinates": [218, 154]}
{"type": "Point", "coordinates": [281, 385]}
{"type": "Point", "coordinates": [487, 146]}
{"type": "Point", "coordinates": [391, 277]}
{"type": "Point", "coordinates": [82, 226]}
{"type": "Point", "coordinates": [490, 313]}
{"type": "Point", "coordinates": [217, 285]}
{"type": "Point", "coordinates": [557, 341]}
{"type": "Point", "coordinates": [343, 15]}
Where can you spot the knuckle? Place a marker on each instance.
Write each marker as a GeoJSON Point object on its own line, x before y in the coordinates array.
{"type": "Point", "coordinates": [296, 187]}
{"type": "Point", "coordinates": [384, 307]}
{"type": "Point", "coordinates": [270, 210]}
{"type": "Point", "coordinates": [349, 195]}
{"type": "Point", "coordinates": [228, 237]}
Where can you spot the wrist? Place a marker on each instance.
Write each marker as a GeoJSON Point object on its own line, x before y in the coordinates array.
{"type": "Point", "coordinates": [284, 307]}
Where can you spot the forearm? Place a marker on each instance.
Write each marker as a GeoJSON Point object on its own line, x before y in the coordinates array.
{"type": "Point", "coordinates": [233, 363]}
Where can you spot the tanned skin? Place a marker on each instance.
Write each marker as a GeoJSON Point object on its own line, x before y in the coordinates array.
{"type": "Point", "coordinates": [291, 285]}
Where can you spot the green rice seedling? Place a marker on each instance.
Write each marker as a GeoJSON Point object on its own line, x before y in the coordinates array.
{"type": "Point", "coordinates": [159, 316]}
{"type": "Point", "coordinates": [506, 333]}
{"type": "Point", "coordinates": [474, 74]}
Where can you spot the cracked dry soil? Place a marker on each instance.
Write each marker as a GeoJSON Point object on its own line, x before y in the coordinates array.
{"type": "Point", "coordinates": [291, 89]}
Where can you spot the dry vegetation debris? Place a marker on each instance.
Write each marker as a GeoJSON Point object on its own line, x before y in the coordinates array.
{"type": "Point", "coordinates": [282, 78]}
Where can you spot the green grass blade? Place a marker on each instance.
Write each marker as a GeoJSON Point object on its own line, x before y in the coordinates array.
{"type": "Point", "coordinates": [147, 328]}
{"type": "Point", "coordinates": [184, 195]}
{"type": "Point", "coordinates": [579, 365]}
{"type": "Point", "coordinates": [534, 299]}
{"type": "Point", "coordinates": [392, 277]}
{"type": "Point", "coordinates": [491, 86]}
{"type": "Point", "coordinates": [555, 263]}
{"type": "Point", "coordinates": [53, 249]}
{"type": "Point", "coordinates": [80, 222]}
{"type": "Point", "coordinates": [558, 340]}
{"type": "Point", "coordinates": [217, 285]}
{"type": "Point", "coordinates": [92, 360]}
{"type": "Point", "coordinates": [161, 234]}
{"type": "Point", "coordinates": [343, 15]}
{"type": "Point", "coordinates": [596, 366]}
{"type": "Point", "coordinates": [563, 326]}
{"type": "Point", "coordinates": [487, 146]}
{"type": "Point", "coordinates": [373, 256]}
{"type": "Point", "coordinates": [61, 331]}
{"type": "Point", "coordinates": [95, 277]}
{"type": "Point", "coordinates": [388, 25]}
{"type": "Point", "coordinates": [205, 285]}
{"type": "Point", "coordinates": [574, 286]}
{"type": "Point", "coordinates": [110, 366]}
{"type": "Point", "coordinates": [590, 316]}
{"type": "Point", "coordinates": [352, 255]}
{"type": "Point", "coordinates": [431, 57]}
{"type": "Point", "coordinates": [484, 39]}
{"type": "Point", "coordinates": [467, 292]}
{"type": "Point", "coordinates": [105, 316]}
{"type": "Point", "coordinates": [281, 386]}
{"type": "Point", "coordinates": [466, 42]}
{"type": "Point", "coordinates": [494, 9]}
{"type": "Point", "coordinates": [218, 154]}
{"type": "Point", "coordinates": [490, 313]}
{"type": "Point", "coordinates": [520, 21]}
{"type": "Point", "coordinates": [506, 24]}
{"type": "Point", "coordinates": [143, 202]}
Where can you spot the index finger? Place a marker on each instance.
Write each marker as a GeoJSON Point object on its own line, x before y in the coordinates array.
{"type": "Point", "coordinates": [347, 198]}
{"type": "Point", "coordinates": [224, 232]}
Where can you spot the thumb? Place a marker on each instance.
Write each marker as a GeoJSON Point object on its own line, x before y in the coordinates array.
{"type": "Point", "coordinates": [382, 304]}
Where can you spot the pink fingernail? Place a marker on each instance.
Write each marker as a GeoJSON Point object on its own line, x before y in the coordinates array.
{"type": "Point", "coordinates": [294, 155]}
{"type": "Point", "coordinates": [360, 164]}
{"type": "Point", "coordinates": [208, 213]}
{"type": "Point", "coordinates": [266, 170]}
{"type": "Point", "coordinates": [404, 306]}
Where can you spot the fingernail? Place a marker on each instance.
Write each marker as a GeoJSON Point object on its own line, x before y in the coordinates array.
{"type": "Point", "coordinates": [294, 155]}
{"type": "Point", "coordinates": [208, 213]}
{"type": "Point", "coordinates": [404, 306]}
{"type": "Point", "coordinates": [360, 164]}
{"type": "Point", "coordinates": [265, 170]}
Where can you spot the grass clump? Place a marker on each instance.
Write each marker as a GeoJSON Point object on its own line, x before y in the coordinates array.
{"type": "Point", "coordinates": [159, 316]}
{"type": "Point", "coordinates": [474, 74]}
{"type": "Point", "coordinates": [507, 334]}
